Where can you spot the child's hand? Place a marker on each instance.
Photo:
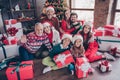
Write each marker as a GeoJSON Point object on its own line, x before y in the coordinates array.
{"type": "Point", "coordinates": [77, 27]}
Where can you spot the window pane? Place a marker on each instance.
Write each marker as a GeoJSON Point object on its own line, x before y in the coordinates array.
{"type": "Point", "coordinates": [85, 15]}
{"type": "Point", "coordinates": [118, 4]}
{"type": "Point", "coordinates": [89, 4]}
{"type": "Point", "coordinates": [117, 19]}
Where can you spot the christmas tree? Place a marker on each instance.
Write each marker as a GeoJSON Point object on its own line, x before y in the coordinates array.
{"type": "Point", "coordinates": [58, 6]}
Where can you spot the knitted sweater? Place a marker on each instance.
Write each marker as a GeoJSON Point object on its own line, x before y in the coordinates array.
{"type": "Point", "coordinates": [57, 49]}
{"type": "Point", "coordinates": [34, 42]}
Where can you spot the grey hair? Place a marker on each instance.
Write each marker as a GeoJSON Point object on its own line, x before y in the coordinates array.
{"type": "Point", "coordinates": [38, 23]}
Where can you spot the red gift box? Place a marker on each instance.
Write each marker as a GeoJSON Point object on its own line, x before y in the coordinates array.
{"type": "Point", "coordinates": [25, 71]}
{"type": "Point", "coordinates": [99, 33]}
{"type": "Point", "coordinates": [63, 59]}
{"type": "Point", "coordinates": [11, 21]}
{"type": "Point", "coordinates": [111, 30]}
{"type": "Point", "coordinates": [104, 66]}
{"type": "Point", "coordinates": [82, 67]}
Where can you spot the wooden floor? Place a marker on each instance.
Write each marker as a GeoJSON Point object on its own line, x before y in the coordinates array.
{"type": "Point", "coordinates": [63, 74]}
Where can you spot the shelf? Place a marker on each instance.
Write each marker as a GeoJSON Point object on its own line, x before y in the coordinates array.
{"type": "Point", "coordinates": [25, 20]}
{"type": "Point", "coordinates": [24, 10]}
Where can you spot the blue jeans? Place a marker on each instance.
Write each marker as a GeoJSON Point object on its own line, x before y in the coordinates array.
{"type": "Point", "coordinates": [71, 67]}
{"type": "Point", "coordinates": [24, 54]}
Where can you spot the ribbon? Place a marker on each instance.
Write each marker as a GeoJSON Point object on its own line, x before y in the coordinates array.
{"type": "Point", "coordinates": [105, 63]}
{"type": "Point", "coordinates": [100, 40]}
{"type": "Point", "coordinates": [62, 58]}
{"type": "Point", "coordinates": [84, 66]}
{"type": "Point", "coordinates": [17, 66]}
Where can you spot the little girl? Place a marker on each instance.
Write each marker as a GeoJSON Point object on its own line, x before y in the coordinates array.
{"type": "Point", "coordinates": [77, 50]}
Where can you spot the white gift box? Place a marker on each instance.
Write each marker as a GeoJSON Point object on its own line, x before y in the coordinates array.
{"type": "Point", "coordinates": [104, 68]}
{"type": "Point", "coordinates": [107, 42]}
{"type": "Point", "coordinates": [17, 26]}
{"type": "Point", "coordinates": [11, 50]}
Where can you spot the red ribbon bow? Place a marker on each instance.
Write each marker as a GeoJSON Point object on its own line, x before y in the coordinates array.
{"type": "Point", "coordinates": [12, 31]}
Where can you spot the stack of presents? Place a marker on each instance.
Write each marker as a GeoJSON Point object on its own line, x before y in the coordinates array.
{"type": "Point", "coordinates": [109, 35]}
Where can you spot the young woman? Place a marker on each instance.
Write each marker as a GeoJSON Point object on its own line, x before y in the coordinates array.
{"type": "Point", "coordinates": [52, 33]}
{"type": "Point", "coordinates": [70, 24]}
{"type": "Point", "coordinates": [57, 49]}
{"type": "Point", "coordinates": [90, 45]}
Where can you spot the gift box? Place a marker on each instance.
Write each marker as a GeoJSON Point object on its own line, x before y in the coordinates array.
{"type": "Point", "coordinates": [111, 30]}
{"type": "Point", "coordinates": [118, 49]}
{"type": "Point", "coordinates": [14, 30]}
{"type": "Point", "coordinates": [8, 51]}
{"type": "Point", "coordinates": [82, 67]}
{"type": "Point", "coordinates": [20, 71]}
{"type": "Point", "coordinates": [104, 66]}
{"type": "Point", "coordinates": [99, 33]}
{"type": "Point", "coordinates": [105, 42]}
{"type": "Point", "coordinates": [114, 50]}
{"type": "Point", "coordinates": [63, 59]}
{"type": "Point", "coordinates": [11, 21]}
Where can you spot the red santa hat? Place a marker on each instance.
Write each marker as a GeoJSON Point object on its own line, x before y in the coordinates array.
{"type": "Point", "coordinates": [77, 37]}
{"type": "Point", "coordinates": [47, 24]}
{"type": "Point", "coordinates": [50, 8]}
{"type": "Point", "coordinates": [66, 35]}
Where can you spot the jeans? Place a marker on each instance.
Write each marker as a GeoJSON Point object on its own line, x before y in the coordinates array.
{"type": "Point", "coordinates": [71, 66]}
{"type": "Point", "coordinates": [24, 54]}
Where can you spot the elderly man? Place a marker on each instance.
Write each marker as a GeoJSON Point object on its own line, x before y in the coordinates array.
{"type": "Point", "coordinates": [50, 17]}
{"type": "Point", "coordinates": [33, 42]}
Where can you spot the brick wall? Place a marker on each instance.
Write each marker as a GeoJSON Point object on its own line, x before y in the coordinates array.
{"type": "Point", "coordinates": [101, 12]}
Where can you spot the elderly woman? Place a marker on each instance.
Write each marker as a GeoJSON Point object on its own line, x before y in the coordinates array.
{"type": "Point", "coordinates": [53, 34]}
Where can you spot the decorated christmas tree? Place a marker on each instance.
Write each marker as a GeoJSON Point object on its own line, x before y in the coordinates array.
{"type": "Point", "coordinates": [58, 6]}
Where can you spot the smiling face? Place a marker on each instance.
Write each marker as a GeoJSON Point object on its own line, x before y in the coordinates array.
{"type": "Point", "coordinates": [39, 29]}
{"type": "Point", "coordinates": [78, 42]}
{"type": "Point", "coordinates": [50, 13]}
{"type": "Point", "coordinates": [73, 18]}
{"type": "Point", "coordinates": [66, 42]}
{"type": "Point", "coordinates": [86, 29]}
{"type": "Point", "coordinates": [47, 29]}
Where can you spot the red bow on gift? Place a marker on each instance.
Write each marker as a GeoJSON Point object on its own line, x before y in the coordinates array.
{"type": "Point", "coordinates": [12, 31]}
{"type": "Point", "coordinates": [105, 63]}
{"type": "Point", "coordinates": [114, 50]}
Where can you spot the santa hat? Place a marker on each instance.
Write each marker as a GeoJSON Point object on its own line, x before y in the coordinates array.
{"type": "Point", "coordinates": [46, 24]}
{"type": "Point", "coordinates": [66, 35]}
{"type": "Point", "coordinates": [88, 23]}
{"type": "Point", "coordinates": [77, 37]}
{"type": "Point", "coordinates": [50, 8]}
